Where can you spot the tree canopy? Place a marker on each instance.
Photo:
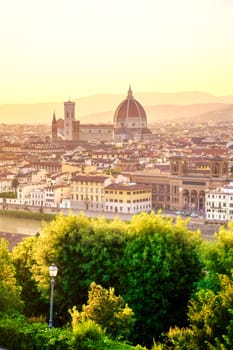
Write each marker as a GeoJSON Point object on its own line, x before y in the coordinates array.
{"type": "Point", "coordinates": [151, 262]}
{"type": "Point", "coordinates": [10, 292]}
{"type": "Point", "coordinates": [161, 265]}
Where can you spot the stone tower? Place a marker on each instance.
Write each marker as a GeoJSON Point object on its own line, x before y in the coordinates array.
{"type": "Point", "coordinates": [218, 167]}
{"type": "Point", "coordinates": [69, 120]}
{"type": "Point", "coordinates": [178, 165]}
{"type": "Point", "coordinates": [54, 128]}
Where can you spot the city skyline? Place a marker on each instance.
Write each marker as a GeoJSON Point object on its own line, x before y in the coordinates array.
{"type": "Point", "coordinates": [52, 50]}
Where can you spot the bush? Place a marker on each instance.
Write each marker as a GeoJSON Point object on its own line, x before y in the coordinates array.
{"type": "Point", "coordinates": [18, 334]}
{"type": "Point", "coordinates": [89, 335]}
{"type": "Point", "coordinates": [107, 310]}
{"type": "Point", "coordinates": [8, 195]}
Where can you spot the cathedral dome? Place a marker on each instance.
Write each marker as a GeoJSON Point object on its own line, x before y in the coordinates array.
{"type": "Point", "coordinates": [130, 113]}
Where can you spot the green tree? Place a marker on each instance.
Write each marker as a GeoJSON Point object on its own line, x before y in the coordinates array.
{"type": "Point", "coordinates": [10, 300]}
{"type": "Point", "coordinates": [107, 310]}
{"type": "Point", "coordinates": [161, 265]}
{"type": "Point", "coordinates": [210, 309]}
{"type": "Point", "coordinates": [84, 250]}
{"type": "Point", "coordinates": [15, 183]}
{"type": "Point", "coordinates": [217, 258]}
{"type": "Point", "coordinates": [23, 259]}
{"type": "Point", "coordinates": [211, 318]}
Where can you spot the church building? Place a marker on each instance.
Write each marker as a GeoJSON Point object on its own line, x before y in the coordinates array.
{"type": "Point", "coordinates": [129, 123]}
{"type": "Point", "coordinates": [130, 120]}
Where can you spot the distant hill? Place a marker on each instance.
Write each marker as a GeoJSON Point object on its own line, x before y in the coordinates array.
{"type": "Point", "coordinates": [100, 108]}
{"type": "Point", "coordinates": [225, 114]}
{"type": "Point", "coordinates": [175, 112]}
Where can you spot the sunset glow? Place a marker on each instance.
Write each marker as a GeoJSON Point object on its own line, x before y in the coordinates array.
{"type": "Point", "coordinates": [56, 48]}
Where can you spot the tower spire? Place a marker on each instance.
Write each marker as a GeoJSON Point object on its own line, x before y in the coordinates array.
{"type": "Point", "coordinates": [130, 93]}
{"type": "Point", "coordinates": [54, 127]}
{"type": "Point", "coordinates": [54, 117]}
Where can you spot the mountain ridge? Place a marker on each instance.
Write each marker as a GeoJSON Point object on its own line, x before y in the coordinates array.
{"type": "Point", "coordinates": [100, 108]}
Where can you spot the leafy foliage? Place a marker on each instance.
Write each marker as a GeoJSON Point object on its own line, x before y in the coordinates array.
{"type": "Point", "coordinates": [15, 183]}
{"type": "Point", "coordinates": [17, 333]}
{"type": "Point", "coordinates": [23, 258]}
{"type": "Point", "coordinates": [218, 258]}
{"type": "Point", "coordinates": [161, 264]}
{"type": "Point", "coordinates": [89, 335]}
{"type": "Point", "coordinates": [84, 251]}
{"type": "Point", "coordinates": [107, 310]}
{"type": "Point", "coordinates": [211, 319]}
{"type": "Point", "coordinates": [211, 315]}
{"type": "Point", "coordinates": [10, 299]}
{"type": "Point", "coordinates": [151, 262]}
{"type": "Point", "coordinates": [210, 311]}
{"type": "Point", "coordinates": [8, 195]}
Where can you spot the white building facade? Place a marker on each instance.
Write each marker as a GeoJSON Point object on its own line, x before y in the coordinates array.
{"type": "Point", "coordinates": [219, 204]}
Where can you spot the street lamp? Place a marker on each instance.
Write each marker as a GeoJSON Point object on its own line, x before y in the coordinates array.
{"type": "Point", "coordinates": [52, 273]}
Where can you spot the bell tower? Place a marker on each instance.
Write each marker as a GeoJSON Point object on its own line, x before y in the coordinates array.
{"type": "Point", "coordinates": [178, 165]}
{"type": "Point", "coordinates": [69, 119]}
{"type": "Point", "coordinates": [218, 167]}
{"type": "Point", "coordinates": [54, 128]}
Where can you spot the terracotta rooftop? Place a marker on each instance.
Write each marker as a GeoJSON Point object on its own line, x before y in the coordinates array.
{"type": "Point", "coordinates": [127, 187]}
{"type": "Point", "coordinates": [91, 178]}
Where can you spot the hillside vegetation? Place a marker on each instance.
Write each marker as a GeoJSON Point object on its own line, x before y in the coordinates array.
{"type": "Point", "coordinates": [150, 282]}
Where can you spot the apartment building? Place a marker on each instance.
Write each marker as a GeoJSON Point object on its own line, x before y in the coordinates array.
{"type": "Point", "coordinates": [24, 193]}
{"type": "Point", "coordinates": [128, 198]}
{"type": "Point", "coordinates": [87, 192]}
{"type": "Point", "coordinates": [219, 203]}
{"type": "Point", "coordinates": [54, 195]}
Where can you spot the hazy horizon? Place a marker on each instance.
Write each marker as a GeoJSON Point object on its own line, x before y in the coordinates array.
{"type": "Point", "coordinates": [120, 94]}
{"type": "Point", "coordinates": [100, 108]}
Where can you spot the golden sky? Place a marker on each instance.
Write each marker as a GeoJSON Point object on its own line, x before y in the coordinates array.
{"type": "Point", "coordinates": [52, 49]}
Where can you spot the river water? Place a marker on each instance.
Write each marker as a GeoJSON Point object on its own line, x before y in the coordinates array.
{"type": "Point", "coordinates": [19, 225]}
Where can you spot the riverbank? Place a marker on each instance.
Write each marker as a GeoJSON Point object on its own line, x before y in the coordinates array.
{"type": "Point", "coordinates": [25, 214]}
{"type": "Point", "coordinates": [16, 225]}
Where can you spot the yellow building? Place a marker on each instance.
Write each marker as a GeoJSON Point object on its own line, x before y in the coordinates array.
{"type": "Point", "coordinates": [87, 192]}
{"type": "Point", "coordinates": [128, 198]}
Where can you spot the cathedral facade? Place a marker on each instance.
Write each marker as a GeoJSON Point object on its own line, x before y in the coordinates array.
{"type": "Point", "coordinates": [129, 123]}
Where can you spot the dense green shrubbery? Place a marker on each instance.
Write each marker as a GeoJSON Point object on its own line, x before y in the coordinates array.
{"type": "Point", "coordinates": [8, 195]}
{"type": "Point", "coordinates": [10, 292]}
{"type": "Point", "coordinates": [17, 334]}
{"type": "Point", "coordinates": [107, 310]}
{"type": "Point", "coordinates": [89, 335]}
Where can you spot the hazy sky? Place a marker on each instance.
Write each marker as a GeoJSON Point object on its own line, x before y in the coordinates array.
{"type": "Point", "coordinates": [52, 49]}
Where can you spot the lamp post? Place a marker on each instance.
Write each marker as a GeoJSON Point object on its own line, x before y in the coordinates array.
{"type": "Point", "coordinates": [52, 273]}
